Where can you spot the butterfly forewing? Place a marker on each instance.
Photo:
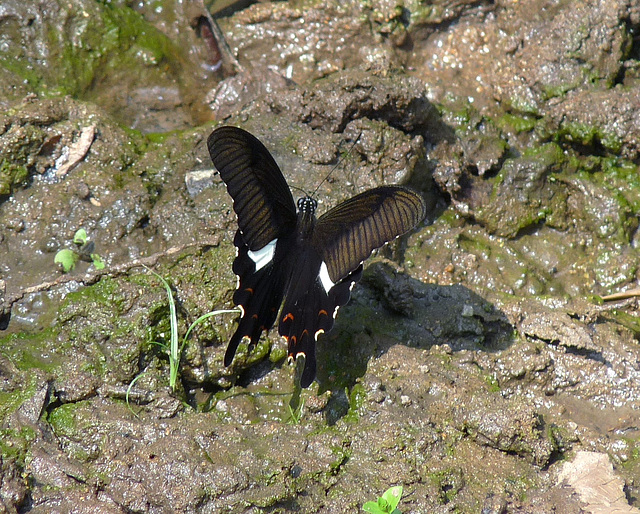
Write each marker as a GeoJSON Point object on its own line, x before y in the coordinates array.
{"type": "Point", "coordinates": [261, 197]}
{"type": "Point", "coordinates": [347, 234]}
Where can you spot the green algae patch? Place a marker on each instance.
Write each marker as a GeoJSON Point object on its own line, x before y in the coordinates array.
{"type": "Point", "coordinates": [15, 443]}
{"type": "Point", "coordinates": [108, 326]}
{"type": "Point", "coordinates": [515, 123]}
{"type": "Point", "coordinates": [357, 399]}
{"type": "Point", "coordinates": [18, 146]}
{"type": "Point", "coordinates": [43, 350]}
{"type": "Point", "coordinates": [11, 175]}
{"type": "Point", "coordinates": [524, 194]}
{"type": "Point", "coordinates": [12, 400]}
{"type": "Point", "coordinates": [587, 135]}
{"type": "Point", "coordinates": [75, 424]}
{"type": "Point", "coordinates": [106, 38]}
{"type": "Point", "coordinates": [63, 419]}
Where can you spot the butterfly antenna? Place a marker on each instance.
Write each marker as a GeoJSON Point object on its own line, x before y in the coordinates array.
{"type": "Point", "coordinates": [299, 189]}
{"type": "Point", "coordinates": [337, 164]}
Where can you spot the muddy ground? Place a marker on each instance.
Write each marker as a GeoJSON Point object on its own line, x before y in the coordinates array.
{"type": "Point", "coordinates": [476, 364]}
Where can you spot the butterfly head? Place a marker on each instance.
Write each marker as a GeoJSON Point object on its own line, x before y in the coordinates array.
{"type": "Point", "coordinates": [307, 205]}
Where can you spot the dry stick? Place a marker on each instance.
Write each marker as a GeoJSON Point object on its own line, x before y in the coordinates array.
{"type": "Point", "coordinates": [92, 277]}
{"type": "Point", "coordinates": [227, 54]}
{"type": "Point", "coordinates": [621, 296]}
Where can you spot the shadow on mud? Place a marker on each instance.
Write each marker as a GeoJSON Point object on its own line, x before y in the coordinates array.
{"type": "Point", "coordinates": [395, 309]}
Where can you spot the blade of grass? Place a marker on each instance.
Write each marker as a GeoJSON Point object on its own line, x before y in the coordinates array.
{"type": "Point", "coordinates": [202, 318]}
{"type": "Point", "coordinates": [174, 349]}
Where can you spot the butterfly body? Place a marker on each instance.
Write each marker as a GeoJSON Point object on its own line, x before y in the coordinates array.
{"type": "Point", "coordinates": [287, 255]}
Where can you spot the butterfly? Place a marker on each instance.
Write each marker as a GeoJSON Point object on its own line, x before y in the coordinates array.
{"type": "Point", "coordinates": [287, 255]}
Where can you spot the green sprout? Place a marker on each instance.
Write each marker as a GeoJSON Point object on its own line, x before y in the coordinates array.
{"type": "Point", "coordinates": [175, 347]}
{"type": "Point", "coordinates": [387, 503]}
{"type": "Point", "coordinates": [69, 258]}
{"type": "Point", "coordinates": [295, 415]}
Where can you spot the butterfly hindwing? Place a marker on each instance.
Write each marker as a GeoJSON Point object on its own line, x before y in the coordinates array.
{"type": "Point", "coordinates": [346, 235]}
{"type": "Point", "coordinates": [309, 312]}
{"type": "Point", "coordinates": [259, 294]}
{"type": "Point", "coordinates": [261, 197]}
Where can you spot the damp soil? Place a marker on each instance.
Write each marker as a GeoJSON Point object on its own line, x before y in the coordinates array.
{"type": "Point", "coordinates": [476, 358]}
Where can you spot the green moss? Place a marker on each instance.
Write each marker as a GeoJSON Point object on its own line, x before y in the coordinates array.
{"type": "Point", "coordinates": [449, 482]}
{"type": "Point", "coordinates": [620, 177]}
{"type": "Point", "coordinates": [278, 353]}
{"type": "Point", "coordinates": [118, 38]}
{"type": "Point", "coordinates": [342, 455]}
{"type": "Point", "coordinates": [556, 90]}
{"type": "Point", "coordinates": [424, 13]}
{"type": "Point", "coordinates": [63, 419]}
{"type": "Point", "coordinates": [524, 105]}
{"type": "Point", "coordinates": [70, 422]}
{"type": "Point", "coordinates": [625, 319]}
{"type": "Point", "coordinates": [106, 37]}
{"type": "Point", "coordinates": [157, 138]}
{"type": "Point", "coordinates": [42, 350]}
{"type": "Point", "coordinates": [106, 328]}
{"type": "Point", "coordinates": [10, 401]}
{"type": "Point", "coordinates": [516, 123]}
{"type": "Point", "coordinates": [14, 444]}
{"type": "Point", "coordinates": [589, 135]}
{"type": "Point", "coordinates": [22, 68]}
{"type": "Point", "coordinates": [492, 383]}
{"type": "Point", "coordinates": [357, 397]}
{"type": "Point", "coordinates": [549, 154]}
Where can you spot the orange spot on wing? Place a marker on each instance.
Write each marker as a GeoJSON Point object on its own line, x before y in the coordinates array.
{"type": "Point", "coordinates": [287, 317]}
{"type": "Point", "coordinates": [255, 316]}
{"type": "Point", "coordinates": [322, 311]}
{"type": "Point", "coordinates": [249, 290]}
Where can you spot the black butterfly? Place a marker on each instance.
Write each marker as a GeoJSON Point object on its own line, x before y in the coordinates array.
{"type": "Point", "coordinates": [283, 255]}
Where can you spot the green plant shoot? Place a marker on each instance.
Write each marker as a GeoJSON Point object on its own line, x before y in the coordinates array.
{"type": "Point", "coordinates": [175, 348]}
{"type": "Point", "coordinates": [80, 237]}
{"type": "Point", "coordinates": [67, 259]}
{"type": "Point", "coordinates": [387, 503]}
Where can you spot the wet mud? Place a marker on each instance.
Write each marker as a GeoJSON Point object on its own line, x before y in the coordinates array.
{"type": "Point", "coordinates": [476, 365]}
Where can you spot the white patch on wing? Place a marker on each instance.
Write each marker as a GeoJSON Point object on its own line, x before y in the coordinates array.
{"type": "Point", "coordinates": [263, 256]}
{"type": "Point", "coordinates": [325, 280]}
{"type": "Point", "coordinates": [241, 311]}
{"type": "Point", "coordinates": [321, 331]}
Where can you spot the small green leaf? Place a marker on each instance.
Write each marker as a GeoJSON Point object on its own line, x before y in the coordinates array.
{"type": "Point", "coordinates": [372, 508]}
{"type": "Point", "coordinates": [66, 258]}
{"type": "Point", "coordinates": [392, 497]}
{"type": "Point", "coordinates": [98, 263]}
{"type": "Point", "coordinates": [387, 503]}
{"type": "Point", "coordinates": [80, 237]}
